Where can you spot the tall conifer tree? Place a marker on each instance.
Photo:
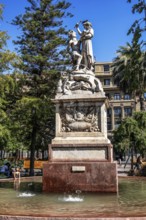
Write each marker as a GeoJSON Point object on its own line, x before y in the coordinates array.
{"type": "Point", "coordinates": [43, 36]}
{"type": "Point", "coordinates": [42, 49]}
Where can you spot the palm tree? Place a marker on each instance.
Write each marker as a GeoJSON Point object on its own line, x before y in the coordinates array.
{"type": "Point", "coordinates": [129, 68]}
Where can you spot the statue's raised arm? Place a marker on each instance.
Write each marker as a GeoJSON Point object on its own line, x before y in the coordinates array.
{"type": "Point", "coordinates": [86, 40]}
{"type": "Point", "coordinates": [81, 78]}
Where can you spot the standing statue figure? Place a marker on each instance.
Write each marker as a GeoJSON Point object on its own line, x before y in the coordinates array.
{"type": "Point", "coordinates": [86, 36]}
{"type": "Point", "coordinates": [74, 45]}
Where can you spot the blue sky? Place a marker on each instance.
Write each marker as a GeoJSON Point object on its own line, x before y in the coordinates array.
{"type": "Point", "coordinates": [110, 19]}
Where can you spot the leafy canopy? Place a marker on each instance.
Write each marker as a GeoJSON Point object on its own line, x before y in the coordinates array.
{"type": "Point", "coordinates": [7, 59]}
{"type": "Point", "coordinates": [129, 68]}
{"type": "Point", "coordinates": [139, 24]}
{"type": "Point", "coordinates": [131, 133]}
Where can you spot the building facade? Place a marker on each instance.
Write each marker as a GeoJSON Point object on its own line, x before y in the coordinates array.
{"type": "Point", "coordinates": [121, 104]}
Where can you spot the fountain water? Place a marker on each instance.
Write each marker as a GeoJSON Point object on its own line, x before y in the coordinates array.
{"type": "Point", "coordinates": [30, 202]}
{"type": "Point", "coordinates": [71, 198]}
{"type": "Point", "coordinates": [25, 194]}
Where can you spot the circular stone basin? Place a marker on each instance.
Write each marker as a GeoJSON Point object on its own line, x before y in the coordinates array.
{"type": "Point", "coordinates": [29, 200]}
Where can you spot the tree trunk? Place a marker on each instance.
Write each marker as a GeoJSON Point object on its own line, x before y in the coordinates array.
{"type": "Point", "coordinates": [42, 154]}
{"type": "Point", "coordinates": [32, 150]}
{"type": "Point", "coordinates": [142, 104]}
{"type": "Point", "coordinates": [132, 143]}
{"type": "Point", "coordinates": [132, 159]}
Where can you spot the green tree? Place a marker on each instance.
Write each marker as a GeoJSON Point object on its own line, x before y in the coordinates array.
{"type": "Point", "coordinates": [7, 140]}
{"type": "Point", "coordinates": [23, 115]}
{"type": "Point", "coordinates": [140, 8]}
{"type": "Point", "coordinates": [129, 68]}
{"type": "Point", "coordinates": [42, 49]}
{"type": "Point", "coordinates": [8, 59]}
{"type": "Point", "coordinates": [27, 113]}
{"type": "Point", "coordinates": [131, 135]}
{"type": "Point", "coordinates": [33, 115]}
{"type": "Point", "coordinates": [140, 117]}
{"type": "Point", "coordinates": [43, 36]}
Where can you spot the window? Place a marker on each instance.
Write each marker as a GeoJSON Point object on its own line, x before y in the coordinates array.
{"type": "Point", "coordinates": [108, 112]}
{"type": "Point", "coordinates": [107, 82]}
{"type": "Point", "coordinates": [109, 125]}
{"type": "Point", "coordinates": [127, 97]}
{"type": "Point", "coordinates": [106, 68]}
{"type": "Point", "coordinates": [117, 111]}
{"type": "Point", "coordinates": [117, 96]}
{"type": "Point", "coordinates": [128, 111]}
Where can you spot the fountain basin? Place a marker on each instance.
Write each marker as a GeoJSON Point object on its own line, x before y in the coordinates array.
{"type": "Point", "coordinates": [29, 202]}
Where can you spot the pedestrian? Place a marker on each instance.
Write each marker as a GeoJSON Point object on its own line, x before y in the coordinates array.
{"type": "Point", "coordinates": [16, 174]}
{"type": "Point", "coordinates": [138, 163]}
{"type": "Point", "coordinates": [120, 158]}
{"type": "Point", "coordinates": [6, 169]}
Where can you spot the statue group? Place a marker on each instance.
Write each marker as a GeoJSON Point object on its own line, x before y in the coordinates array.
{"type": "Point", "coordinates": [81, 78]}
{"type": "Point", "coordinates": [81, 50]}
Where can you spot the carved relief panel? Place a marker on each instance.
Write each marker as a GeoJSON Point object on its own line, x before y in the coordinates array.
{"type": "Point", "coordinates": [80, 118]}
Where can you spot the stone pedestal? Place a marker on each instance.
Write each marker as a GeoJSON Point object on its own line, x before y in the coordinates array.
{"type": "Point", "coordinates": [85, 176]}
{"type": "Point", "coordinates": [80, 156]}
